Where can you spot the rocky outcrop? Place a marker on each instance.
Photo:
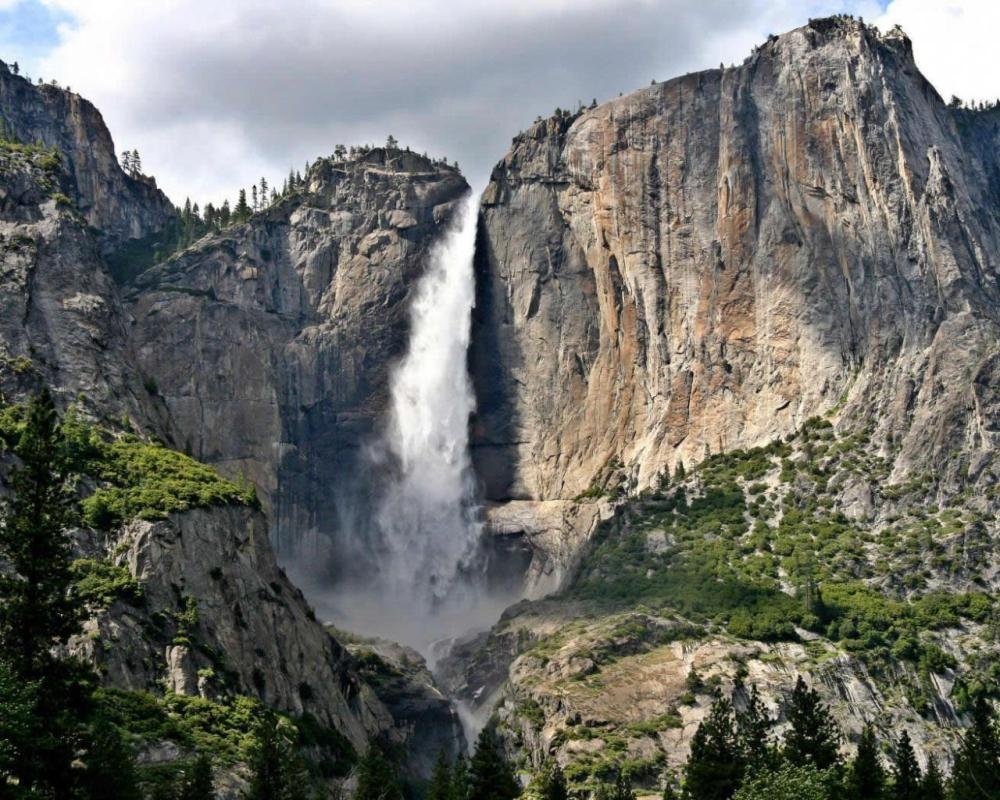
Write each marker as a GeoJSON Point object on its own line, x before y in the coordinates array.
{"type": "Point", "coordinates": [271, 343]}
{"type": "Point", "coordinates": [119, 206]}
{"type": "Point", "coordinates": [705, 263]}
{"type": "Point", "coordinates": [218, 616]}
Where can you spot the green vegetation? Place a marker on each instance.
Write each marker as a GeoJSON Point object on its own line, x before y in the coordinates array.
{"type": "Point", "coordinates": [750, 542]}
{"type": "Point", "coordinates": [100, 583]}
{"type": "Point", "coordinates": [148, 481]}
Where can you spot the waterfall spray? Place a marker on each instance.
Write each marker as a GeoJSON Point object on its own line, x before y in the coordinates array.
{"type": "Point", "coordinates": [427, 517]}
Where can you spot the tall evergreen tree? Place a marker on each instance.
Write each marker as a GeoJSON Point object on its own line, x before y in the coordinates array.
{"type": "Point", "coordinates": [490, 774]}
{"type": "Point", "coordinates": [549, 783]}
{"type": "Point", "coordinates": [714, 768]}
{"type": "Point", "coordinates": [225, 215]}
{"type": "Point", "coordinates": [814, 738]}
{"type": "Point", "coordinates": [377, 776]}
{"type": "Point", "coordinates": [906, 777]}
{"type": "Point", "coordinates": [932, 786]}
{"type": "Point", "coordinates": [109, 765]}
{"type": "Point", "coordinates": [460, 786]}
{"type": "Point", "coordinates": [242, 211]}
{"type": "Point", "coordinates": [866, 779]}
{"type": "Point", "coordinates": [975, 774]}
{"type": "Point", "coordinates": [196, 783]}
{"type": "Point", "coordinates": [276, 771]}
{"type": "Point", "coordinates": [37, 609]}
{"type": "Point", "coordinates": [440, 784]}
{"type": "Point", "coordinates": [753, 731]}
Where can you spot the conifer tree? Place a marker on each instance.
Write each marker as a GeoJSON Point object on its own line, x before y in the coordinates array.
{"type": "Point", "coordinates": [753, 728]}
{"type": "Point", "coordinates": [377, 777]}
{"type": "Point", "coordinates": [549, 783]}
{"type": "Point", "coordinates": [225, 215]}
{"type": "Point", "coordinates": [109, 765]}
{"type": "Point", "coordinates": [866, 779]}
{"type": "Point", "coordinates": [37, 608]}
{"type": "Point", "coordinates": [136, 163]}
{"type": "Point", "coordinates": [440, 784]}
{"type": "Point", "coordinates": [976, 772]}
{"type": "Point", "coordinates": [906, 777]}
{"type": "Point", "coordinates": [932, 786]}
{"type": "Point", "coordinates": [460, 787]}
{"type": "Point", "coordinates": [490, 775]}
{"type": "Point", "coordinates": [196, 783]}
{"type": "Point", "coordinates": [242, 211]}
{"type": "Point", "coordinates": [276, 770]}
{"type": "Point", "coordinates": [714, 768]}
{"type": "Point", "coordinates": [254, 204]}
{"type": "Point", "coordinates": [814, 738]}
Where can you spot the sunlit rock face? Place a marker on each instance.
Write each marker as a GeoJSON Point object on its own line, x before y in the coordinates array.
{"type": "Point", "coordinates": [272, 342]}
{"type": "Point", "coordinates": [705, 263]}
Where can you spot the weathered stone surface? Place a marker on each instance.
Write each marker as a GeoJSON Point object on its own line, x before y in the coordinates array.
{"type": "Point", "coordinates": [119, 206]}
{"type": "Point", "coordinates": [707, 262]}
{"type": "Point", "coordinates": [271, 343]}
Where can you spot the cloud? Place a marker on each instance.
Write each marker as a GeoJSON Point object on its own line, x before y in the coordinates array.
{"type": "Point", "coordinates": [954, 42]}
{"type": "Point", "coordinates": [216, 94]}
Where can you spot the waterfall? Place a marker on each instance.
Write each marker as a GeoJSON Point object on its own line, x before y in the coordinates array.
{"type": "Point", "coordinates": [417, 570]}
{"type": "Point", "coordinates": [427, 516]}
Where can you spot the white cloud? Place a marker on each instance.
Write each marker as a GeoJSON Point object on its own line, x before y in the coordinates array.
{"type": "Point", "coordinates": [216, 94]}
{"type": "Point", "coordinates": [954, 42]}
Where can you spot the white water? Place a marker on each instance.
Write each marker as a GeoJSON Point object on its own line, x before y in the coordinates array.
{"type": "Point", "coordinates": [425, 579]}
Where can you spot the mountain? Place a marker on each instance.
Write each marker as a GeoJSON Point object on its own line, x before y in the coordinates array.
{"type": "Point", "coordinates": [736, 356]}
{"type": "Point", "coordinates": [302, 309]}
{"type": "Point", "coordinates": [736, 353]}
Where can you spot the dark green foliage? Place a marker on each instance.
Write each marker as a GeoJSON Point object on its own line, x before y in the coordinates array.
{"type": "Point", "coordinates": [196, 781]}
{"type": "Point", "coordinates": [932, 787]}
{"type": "Point", "coordinates": [149, 481]}
{"type": "Point", "coordinates": [378, 778]}
{"type": "Point", "coordinates": [109, 764]}
{"type": "Point", "coordinates": [621, 789]}
{"type": "Point", "coordinates": [440, 786]}
{"type": "Point", "coordinates": [753, 729]}
{"type": "Point", "coordinates": [460, 779]}
{"type": "Point", "coordinates": [277, 771]}
{"type": "Point", "coordinates": [38, 611]}
{"type": "Point", "coordinates": [975, 774]}
{"type": "Point", "coordinates": [17, 719]}
{"type": "Point", "coordinates": [814, 738]}
{"type": "Point", "coordinates": [866, 778]}
{"type": "Point", "coordinates": [490, 774]}
{"type": "Point", "coordinates": [549, 783]}
{"type": "Point", "coordinates": [100, 583]}
{"type": "Point", "coordinates": [714, 769]}
{"type": "Point", "coordinates": [788, 782]}
{"type": "Point", "coordinates": [906, 777]}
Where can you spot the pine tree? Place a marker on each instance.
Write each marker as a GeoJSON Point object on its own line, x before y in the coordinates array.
{"type": "Point", "coordinates": [490, 775]}
{"type": "Point", "coordinates": [196, 783]}
{"type": "Point", "coordinates": [932, 787]}
{"type": "Point", "coordinates": [17, 715]}
{"type": "Point", "coordinates": [714, 769]}
{"type": "Point", "coordinates": [37, 608]}
{"type": "Point", "coordinates": [440, 784]}
{"type": "Point", "coordinates": [242, 211]}
{"type": "Point", "coordinates": [814, 737]}
{"type": "Point", "coordinates": [225, 215]}
{"type": "Point", "coordinates": [906, 777]}
{"type": "Point", "coordinates": [623, 788]}
{"type": "Point", "coordinates": [377, 778]}
{"type": "Point", "coordinates": [126, 160]}
{"type": "Point", "coordinates": [109, 765]}
{"type": "Point", "coordinates": [753, 729]}
{"type": "Point", "coordinates": [975, 774]}
{"type": "Point", "coordinates": [255, 203]}
{"type": "Point", "coordinates": [679, 473]}
{"type": "Point", "coordinates": [460, 786]}
{"type": "Point", "coordinates": [136, 163]}
{"type": "Point", "coordinates": [866, 779]}
{"type": "Point", "coordinates": [276, 770]}
{"type": "Point", "coordinates": [549, 783]}
{"type": "Point", "coordinates": [391, 143]}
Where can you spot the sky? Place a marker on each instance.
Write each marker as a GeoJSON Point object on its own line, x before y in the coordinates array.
{"type": "Point", "coordinates": [217, 93]}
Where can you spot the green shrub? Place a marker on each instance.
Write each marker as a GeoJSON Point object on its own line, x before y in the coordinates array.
{"type": "Point", "coordinates": [100, 583]}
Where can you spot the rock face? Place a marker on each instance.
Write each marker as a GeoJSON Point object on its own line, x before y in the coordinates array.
{"type": "Point", "coordinates": [251, 631]}
{"type": "Point", "coordinates": [705, 263]}
{"type": "Point", "coordinates": [271, 343]}
{"type": "Point", "coordinates": [119, 206]}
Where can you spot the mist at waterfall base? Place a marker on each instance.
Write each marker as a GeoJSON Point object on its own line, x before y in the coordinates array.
{"type": "Point", "coordinates": [413, 565]}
